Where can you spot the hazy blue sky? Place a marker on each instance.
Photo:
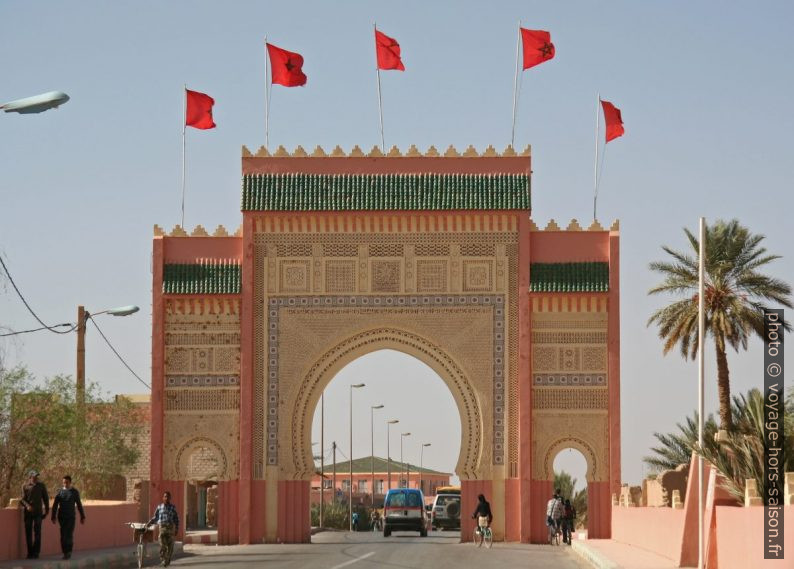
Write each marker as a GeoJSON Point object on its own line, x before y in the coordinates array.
{"type": "Point", "coordinates": [705, 89]}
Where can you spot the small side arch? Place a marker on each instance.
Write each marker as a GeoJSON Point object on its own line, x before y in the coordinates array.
{"type": "Point", "coordinates": [590, 456]}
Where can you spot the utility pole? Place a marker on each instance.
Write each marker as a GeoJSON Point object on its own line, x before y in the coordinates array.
{"type": "Point", "coordinates": [322, 456]}
{"type": "Point", "coordinates": [80, 376]}
{"type": "Point", "coordinates": [334, 472]}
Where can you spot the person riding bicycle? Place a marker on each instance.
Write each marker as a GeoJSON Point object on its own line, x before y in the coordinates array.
{"type": "Point", "coordinates": [483, 511]}
{"type": "Point", "coordinates": [554, 511]}
{"type": "Point", "coordinates": [568, 520]}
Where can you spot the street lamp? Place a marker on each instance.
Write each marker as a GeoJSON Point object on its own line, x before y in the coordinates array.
{"type": "Point", "coordinates": [421, 464]}
{"type": "Point", "coordinates": [388, 452]}
{"type": "Point", "coordinates": [350, 497]}
{"type": "Point", "coordinates": [36, 103]}
{"type": "Point", "coordinates": [82, 317]}
{"type": "Point", "coordinates": [372, 444]}
{"type": "Point", "coordinates": [402, 436]}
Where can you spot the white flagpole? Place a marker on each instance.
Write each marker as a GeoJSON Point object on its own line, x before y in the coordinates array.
{"type": "Point", "coordinates": [184, 127]}
{"type": "Point", "coordinates": [380, 102]}
{"type": "Point", "coordinates": [595, 167]}
{"type": "Point", "coordinates": [515, 88]}
{"type": "Point", "coordinates": [701, 339]}
{"type": "Point", "coordinates": [267, 97]}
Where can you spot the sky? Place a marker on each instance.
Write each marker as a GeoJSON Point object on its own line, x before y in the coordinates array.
{"type": "Point", "coordinates": [705, 90]}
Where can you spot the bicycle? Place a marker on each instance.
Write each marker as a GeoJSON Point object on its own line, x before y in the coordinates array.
{"type": "Point", "coordinates": [139, 531]}
{"type": "Point", "coordinates": [554, 532]}
{"type": "Point", "coordinates": [483, 533]}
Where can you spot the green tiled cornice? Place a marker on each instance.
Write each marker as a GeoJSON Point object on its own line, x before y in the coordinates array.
{"type": "Point", "coordinates": [569, 277]}
{"type": "Point", "coordinates": [209, 277]}
{"type": "Point", "coordinates": [361, 192]}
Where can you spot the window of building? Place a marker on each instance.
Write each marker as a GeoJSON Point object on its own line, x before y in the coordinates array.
{"type": "Point", "coordinates": [362, 486]}
{"type": "Point", "coordinates": [379, 486]}
{"type": "Point", "coordinates": [346, 485]}
{"type": "Point", "coordinates": [328, 484]}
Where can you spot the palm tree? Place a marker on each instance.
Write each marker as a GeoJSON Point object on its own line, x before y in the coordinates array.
{"type": "Point", "coordinates": [735, 297]}
{"type": "Point", "coordinates": [675, 449]}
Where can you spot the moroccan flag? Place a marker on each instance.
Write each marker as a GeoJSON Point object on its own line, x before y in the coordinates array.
{"type": "Point", "coordinates": [537, 47]}
{"type": "Point", "coordinates": [388, 51]}
{"type": "Point", "coordinates": [286, 67]}
{"type": "Point", "coordinates": [613, 121]}
{"type": "Point", "coordinates": [198, 110]}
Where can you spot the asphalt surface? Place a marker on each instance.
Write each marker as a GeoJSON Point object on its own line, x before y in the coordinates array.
{"type": "Point", "coordinates": [403, 550]}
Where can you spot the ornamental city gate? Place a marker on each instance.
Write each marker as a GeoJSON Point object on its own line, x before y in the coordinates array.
{"type": "Point", "coordinates": [340, 255]}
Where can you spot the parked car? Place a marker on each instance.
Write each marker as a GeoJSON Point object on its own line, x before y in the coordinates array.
{"type": "Point", "coordinates": [446, 509]}
{"type": "Point", "coordinates": [404, 511]}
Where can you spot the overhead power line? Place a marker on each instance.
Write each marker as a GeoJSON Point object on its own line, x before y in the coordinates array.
{"type": "Point", "coordinates": [25, 302]}
{"type": "Point", "coordinates": [118, 355]}
{"type": "Point", "coordinates": [17, 332]}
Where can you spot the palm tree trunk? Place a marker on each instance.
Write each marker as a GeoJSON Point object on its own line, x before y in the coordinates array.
{"type": "Point", "coordinates": [724, 388]}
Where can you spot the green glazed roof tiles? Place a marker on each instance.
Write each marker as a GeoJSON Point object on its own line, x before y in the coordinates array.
{"type": "Point", "coordinates": [569, 277]}
{"type": "Point", "coordinates": [208, 277]}
{"type": "Point", "coordinates": [357, 192]}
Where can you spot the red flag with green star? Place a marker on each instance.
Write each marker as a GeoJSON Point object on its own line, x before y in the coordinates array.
{"type": "Point", "coordinates": [537, 47]}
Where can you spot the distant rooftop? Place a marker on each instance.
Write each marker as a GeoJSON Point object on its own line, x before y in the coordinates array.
{"type": "Point", "coordinates": [364, 465]}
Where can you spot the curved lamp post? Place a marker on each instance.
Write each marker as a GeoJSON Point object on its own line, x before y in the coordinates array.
{"type": "Point", "coordinates": [82, 317]}
{"type": "Point", "coordinates": [421, 464]}
{"type": "Point", "coordinates": [350, 497]}
{"type": "Point", "coordinates": [388, 452]}
{"type": "Point", "coordinates": [372, 444]}
{"type": "Point", "coordinates": [402, 436]}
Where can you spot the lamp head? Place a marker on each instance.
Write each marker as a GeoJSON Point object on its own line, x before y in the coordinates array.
{"type": "Point", "coordinates": [393, 421]}
{"type": "Point", "coordinates": [377, 406]}
{"type": "Point", "coordinates": [123, 310]}
{"type": "Point", "coordinates": [358, 385]}
{"type": "Point", "coordinates": [404, 434]}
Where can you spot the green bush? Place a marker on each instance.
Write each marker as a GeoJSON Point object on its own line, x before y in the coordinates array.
{"type": "Point", "coordinates": [336, 516]}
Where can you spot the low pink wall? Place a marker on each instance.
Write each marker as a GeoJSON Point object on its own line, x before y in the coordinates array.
{"type": "Point", "coordinates": [740, 538]}
{"type": "Point", "coordinates": [104, 527]}
{"type": "Point", "coordinates": [656, 529]}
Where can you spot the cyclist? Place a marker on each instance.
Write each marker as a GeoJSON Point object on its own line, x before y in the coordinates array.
{"type": "Point", "coordinates": [483, 512]}
{"type": "Point", "coordinates": [554, 511]}
{"type": "Point", "coordinates": [568, 519]}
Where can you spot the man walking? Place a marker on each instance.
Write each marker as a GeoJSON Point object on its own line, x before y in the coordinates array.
{"type": "Point", "coordinates": [36, 503]}
{"type": "Point", "coordinates": [66, 500]}
{"type": "Point", "coordinates": [166, 517]}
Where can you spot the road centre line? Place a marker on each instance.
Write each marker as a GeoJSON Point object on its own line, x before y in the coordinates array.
{"type": "Point", "coordinates": [356, 560]}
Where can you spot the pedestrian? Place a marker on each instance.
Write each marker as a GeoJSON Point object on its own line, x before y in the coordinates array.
{"type": "Point", "coordinates": [36, 503]}
{"type": "Point", "coordinates": [355, 521]}
{"type": "Point", "coordinates": [63, 506]}
{"type": "Point", "coordinates": [166, 517]}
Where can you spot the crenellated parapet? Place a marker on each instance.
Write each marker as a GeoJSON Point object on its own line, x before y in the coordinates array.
{"type": "Point", "coordinates": [198, 231]}
{"type": "Point", "coordinates": [573, 225]}
{"type": "Point", "coordinates": [394, 152]}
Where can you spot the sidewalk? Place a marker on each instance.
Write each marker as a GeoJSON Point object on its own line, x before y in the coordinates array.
{"type": "Point", "coordinates": [609, 554]}
{"type": "Point", "coordinates": [117, 557]}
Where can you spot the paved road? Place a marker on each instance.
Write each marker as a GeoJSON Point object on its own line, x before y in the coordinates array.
{"type": "Point", "coordinates": [338, 550]}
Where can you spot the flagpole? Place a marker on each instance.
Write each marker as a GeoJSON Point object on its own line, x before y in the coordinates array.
{"type": "Point", "coordinates": [515, 88]}
{"type": "Point", "coordinates": [184, 123]}
{"type": "Point", "coordinates": [380, 102]}
{"type": "Point", "coordinates": [267, 98]}
{"type": "Point", "coordinates": [701, 339]}
{"type": "Point", "coordinates": [595, 165]}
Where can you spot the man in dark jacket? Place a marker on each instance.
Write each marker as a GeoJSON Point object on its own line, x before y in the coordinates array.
{"type": "Point", "coordinates": [66, 500]}
{"type": "Point", "coordinates": [36, 503]}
